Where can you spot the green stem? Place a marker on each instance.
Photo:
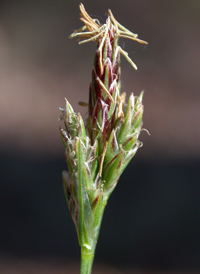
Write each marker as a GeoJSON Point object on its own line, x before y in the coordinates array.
{"type": "Point", "coordinates": [87, 256]}
{"type": "Point", "coordinates": [86, 261]}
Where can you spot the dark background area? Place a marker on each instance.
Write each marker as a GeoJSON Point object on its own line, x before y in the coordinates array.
{"type": "Point", "coordinates": [152, 220]}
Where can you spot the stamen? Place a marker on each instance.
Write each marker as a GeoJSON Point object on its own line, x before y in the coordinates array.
{"type": "Point", "coordinates": [83, 104]}
{"type": "Point", "coordinates": [75, 31]}
{"type": "Point", "coordinates": [114, 21]}
{"type": "Point", "coordinates": [125, 33]}
{"type": "Point", "coordinates": [90, 39]}
{"type": "Point", "coordinates": [133, 38]}
{"type": "Point", "coordinates": [89, 33]}
{"type": "Point", "coordinates": [102, 43]}
{"type": "Point", "coordinates": [126, 30]}
{"type": "Point", "coordinates": [123, 98]}
{"type": "Point", "coordinates": [127, 58]}
{"type": "Point", "coordinates": [98, 33]}
{"type": "Point", "coordinates": [120, 110]}
{"type": "Point", "coordinates": [105, 89]}
{"type": "Point", "coordinates": [89, 24]}
{"type": "Point", "coordinates": [87, 19]}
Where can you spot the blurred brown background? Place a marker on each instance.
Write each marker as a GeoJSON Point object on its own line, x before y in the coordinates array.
{"type": "Point", "coordinates": [152, 219]}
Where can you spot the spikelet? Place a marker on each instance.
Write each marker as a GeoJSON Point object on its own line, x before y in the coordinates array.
{"type": "Point", "coordinates": [97, 153]}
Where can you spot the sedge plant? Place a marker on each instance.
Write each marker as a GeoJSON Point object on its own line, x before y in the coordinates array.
{"type": "Point", "coordinates": [98, 151]}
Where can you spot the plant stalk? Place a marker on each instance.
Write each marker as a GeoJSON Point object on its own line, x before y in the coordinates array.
{"type": "Point", "coordinates": [87, 256]}
{"type": "Point", "coordinates": [86, 261]}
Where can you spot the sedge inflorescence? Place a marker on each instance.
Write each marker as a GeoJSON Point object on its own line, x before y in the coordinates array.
{"type": "Point", "coordinates": [97, 153]}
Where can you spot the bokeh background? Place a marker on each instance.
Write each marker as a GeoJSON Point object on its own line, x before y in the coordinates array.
{"type": "Point", "coordinates": [152, 221]}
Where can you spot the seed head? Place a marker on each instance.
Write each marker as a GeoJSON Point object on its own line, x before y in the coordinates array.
{"type": "Point", "coordinates": [98, 153]}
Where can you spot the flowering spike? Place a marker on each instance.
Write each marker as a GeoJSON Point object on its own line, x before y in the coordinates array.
{"type": "Point", "coordinates": [98, 153]}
